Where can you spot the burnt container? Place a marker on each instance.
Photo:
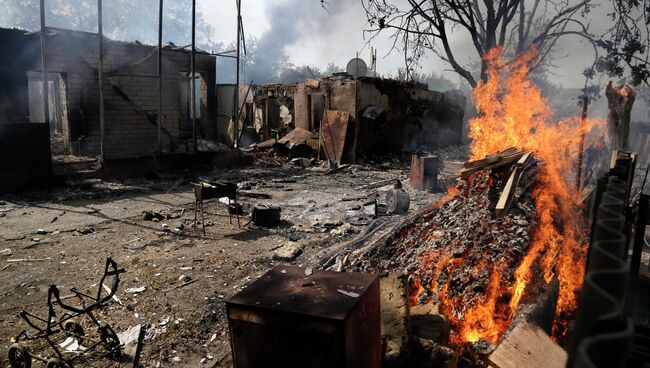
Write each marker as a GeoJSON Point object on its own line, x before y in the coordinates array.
{"type": "Point", "coordinates": [424, 172]}
{"type": "Point", "coordinates": [293, 318]}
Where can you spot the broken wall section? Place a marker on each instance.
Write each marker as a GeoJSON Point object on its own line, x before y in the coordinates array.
{"type": "Point", "coordinates": [385, 116]}
{"type": "Point", "coordinates": [267, 111]}
{"type": "Point", "coordinates": [24, 143]}
{"type": "Point", "coordinates": [130, 93]}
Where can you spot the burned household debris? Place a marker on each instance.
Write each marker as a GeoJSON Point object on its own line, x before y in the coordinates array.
{"type": "Point", "coordinates": [158, 209]}
{"type": "Point", "coordinates": [351, 118]}
{"type": "Point", "coordinates": [130, 107]}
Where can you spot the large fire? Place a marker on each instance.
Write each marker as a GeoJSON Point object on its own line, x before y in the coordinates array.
{"type": "Point", "coordinates": [513, 113]}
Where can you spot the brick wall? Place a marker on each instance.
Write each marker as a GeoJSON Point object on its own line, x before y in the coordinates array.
{"type": "Point", "coordinates": [130, 96]}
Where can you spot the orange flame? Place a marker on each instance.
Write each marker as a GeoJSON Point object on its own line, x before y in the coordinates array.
{"type": "Point", "coordinates": [483, 320]}
{"type": "Point", "coordinates": [513, 113]}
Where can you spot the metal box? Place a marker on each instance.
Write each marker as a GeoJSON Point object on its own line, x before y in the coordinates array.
{"type": "Point", "coordinates": [424, 172]}
{"type": "Point", "coordinates": [291, 317]}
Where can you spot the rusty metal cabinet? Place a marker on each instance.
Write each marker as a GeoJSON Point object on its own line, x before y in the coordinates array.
{"type": "Point", "coordinates": [293, 318]}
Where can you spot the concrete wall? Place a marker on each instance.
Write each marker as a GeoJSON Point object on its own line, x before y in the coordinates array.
{"type": "Point", "coordinates": [130, 93]}
{"type": "Point", "coordinates": [225, 100]}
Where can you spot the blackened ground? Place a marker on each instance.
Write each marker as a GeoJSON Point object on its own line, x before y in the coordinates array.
{"type": "Point", "coordinates": [74, 228]}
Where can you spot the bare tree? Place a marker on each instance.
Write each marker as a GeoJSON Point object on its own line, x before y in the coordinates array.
{"type": "Point", "coordinates": [419, 26]}
{"type": "Point", "coordinates": [626, 43]}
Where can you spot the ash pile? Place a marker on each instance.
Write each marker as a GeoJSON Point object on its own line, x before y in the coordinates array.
{"type": "Point", "coordinates": [462, 252]}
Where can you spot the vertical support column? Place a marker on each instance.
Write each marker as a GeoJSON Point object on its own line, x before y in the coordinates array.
{"type": "Point", "coordinates": [44, 85]}
{"type": "Point", "coordinates": [236, 97]}
{"type": "Point", "coordinates": [193, 84]}
{"type": "Point", "coordinates": [160, 28]}
{"type": "Point", "coordinates": [100, 76]}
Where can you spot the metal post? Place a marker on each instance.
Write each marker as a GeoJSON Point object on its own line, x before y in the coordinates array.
{"type": "Point", "coordinates": [46, 102]}
{"type": "Point", "coordinates": [236, 97]}
{"type": "Point", "coordinates": [160, 27]}
{"type": "Point", "coordinates": [356, 66]}
{"type": "Point", "coordinates": [100, 76]}
{"type": "Point", "coordinates": [583, 128]}
{"type": "Point", "coordinates": [193, 94]}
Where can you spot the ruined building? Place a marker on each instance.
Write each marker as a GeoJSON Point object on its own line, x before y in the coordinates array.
{"type": "Point", "coordinates": [385, 116]}
{"type": "Point", "coordinates": [130, 100]}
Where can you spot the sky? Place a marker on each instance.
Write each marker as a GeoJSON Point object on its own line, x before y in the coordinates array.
{"type": "Point", "coordinates": [336, 35]}
{"type": "Point", "coordinates": [310, 34]}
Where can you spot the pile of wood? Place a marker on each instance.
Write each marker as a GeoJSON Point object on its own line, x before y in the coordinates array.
{"type": "Point", "coordinates": [521, 176]}
{"type": "Point", "coordinates": [456, 247]}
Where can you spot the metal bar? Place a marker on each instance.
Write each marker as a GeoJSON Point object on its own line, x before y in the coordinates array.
{"type": "Point", "coordinates": [100, 76]}
{"type": "Point", "coordinates": [236, 94]}
{"type": "Point", "coordinates": [44, 85]}
{"type": "Point", "coordinates": [225, 52]}
{"type": "Point", "coordinates": [192, 93]}
{"type": "Point", "coordinates": [160, 29]}
{"type": "Point", "coordinates": [243, 34]}
{"type": "Point", "coordinates": [54, 28]}
{"type": "Point", "coordinates": [136, 75]}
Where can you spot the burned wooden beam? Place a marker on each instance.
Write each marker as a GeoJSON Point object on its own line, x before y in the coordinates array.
{"type": "Point", "coordinates": [494, 161]}
{"type": "Point", "coordinates": [508, 193]}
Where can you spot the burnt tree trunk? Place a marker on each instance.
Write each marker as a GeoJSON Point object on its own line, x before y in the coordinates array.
{"type": "Point", "coordinates": [620, 101]}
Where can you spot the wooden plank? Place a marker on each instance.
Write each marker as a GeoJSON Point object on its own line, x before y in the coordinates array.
{"type": "Point", "coordinates": [508, 193]}
{"type": "Point", "coordinates": [528, 346]}
{"type": "Point", "coordinates": [492, 158]}
{"type": "Point", "coordinates": [500, 161]}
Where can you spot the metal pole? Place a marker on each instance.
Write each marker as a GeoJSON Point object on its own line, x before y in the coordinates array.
{"type": "Point", "coordinates": [236, 97]}
{"type": "Point", "coordinates": [100, 70]}
{"type": "Point", "coordinates": [583, 127]}
{"type": "Point", "coordinates": [193, 94]}
{"type": "Point", "coordinates": [46, 104]}
{"type": "Point", "coordinates": [160, 26]}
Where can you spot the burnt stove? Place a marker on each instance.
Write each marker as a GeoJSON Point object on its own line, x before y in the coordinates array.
{"type": "Point", "coordinates": [296, 317]}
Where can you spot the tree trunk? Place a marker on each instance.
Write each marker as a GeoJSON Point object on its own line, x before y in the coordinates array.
{"type": "Point", "coordinates": [620, 100]}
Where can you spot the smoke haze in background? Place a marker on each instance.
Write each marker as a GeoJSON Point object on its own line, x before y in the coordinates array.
{"type": "Point", "coordinates": [287, 33]}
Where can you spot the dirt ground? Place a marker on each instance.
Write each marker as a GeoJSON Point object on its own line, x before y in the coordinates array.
{"type": "Point", "coordinates": [64, 235]}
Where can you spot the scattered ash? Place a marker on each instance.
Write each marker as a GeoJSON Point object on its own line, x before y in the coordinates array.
{"type": "Point", "coordinates": [452, 251]}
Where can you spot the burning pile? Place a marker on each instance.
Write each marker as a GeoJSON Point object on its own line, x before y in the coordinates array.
{"type": "Point", "coordinates": [461, 255]}
{"type": "Point", "coordinates": [482, 262]}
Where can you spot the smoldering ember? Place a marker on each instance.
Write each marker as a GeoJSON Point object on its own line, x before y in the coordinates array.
{"type": "Point", "coordinates": [302, 183]}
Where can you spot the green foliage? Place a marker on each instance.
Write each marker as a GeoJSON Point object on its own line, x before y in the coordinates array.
{"type": "Point", "coordinates": [626, 44]}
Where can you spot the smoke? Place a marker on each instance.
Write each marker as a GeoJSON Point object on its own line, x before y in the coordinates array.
{"type": "Point", "coordinates": [290, 22]}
